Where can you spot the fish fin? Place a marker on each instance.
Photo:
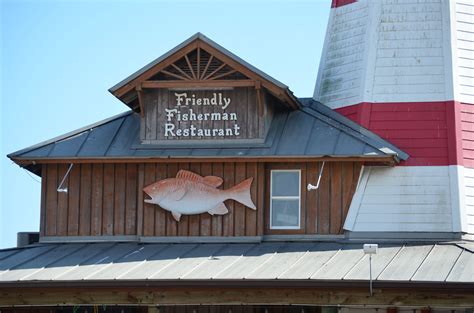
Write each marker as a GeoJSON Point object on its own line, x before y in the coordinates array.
{"type": "Point", "coordinates": [220, 209]}
{"type": "Point", "coordinates": [213, 181]}
{"type": "Point", "coordinates": [241, 193]}
{"type": "Point", "coordinates": [189, 175]}
{"type": "Point", "coordinates": [176, 215]}
{"type": "Point", "coordinates": [178, 193]}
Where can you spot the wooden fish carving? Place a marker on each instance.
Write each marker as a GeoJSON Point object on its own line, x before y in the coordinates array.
{"type": "Point", "coordinates": [190, 193]}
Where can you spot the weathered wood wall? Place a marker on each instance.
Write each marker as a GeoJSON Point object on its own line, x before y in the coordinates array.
{"type": "Point", "coordinates": [107, 199]}
{"type": "Point", "coordinates": [325, 209]}
{"type": "Point", "coordinates": [244, 103]}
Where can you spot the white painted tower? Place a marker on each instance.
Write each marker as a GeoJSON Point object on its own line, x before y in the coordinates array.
{"type": "Point", "coordinates": [405, 70]}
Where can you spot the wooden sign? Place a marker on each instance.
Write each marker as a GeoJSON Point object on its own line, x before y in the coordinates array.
{"type": "Point", "coordinates": [190, 193]}
{"type": "Point", "coordinates": [212, 109]}
{"type": "Point", "coordinates": [197, 115]}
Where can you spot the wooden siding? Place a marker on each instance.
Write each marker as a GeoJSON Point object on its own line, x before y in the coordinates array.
{"type": "Point", "coordinates": [463, 19]}
{"type": "Point", "coordinates": [467, 133]}
{"type": "Point", "coordinates": [420, 128]}
{"type": "Point", "coordinates": [107, 200]}
{"type": "Point", "coordinates": [323, 211]}
{"type": "Point", "coordinates": [469, 199]}
{"type": "Point", "coordinates": [341, 70]}
{"type": "Point", "coordinates": [409, 60]}
{"type": "Point", "coordinates": [402, 199]}
{"type": "Point", "coordinates": [244, 104]}
{"type": "Point", "coordinates": [392, 51]}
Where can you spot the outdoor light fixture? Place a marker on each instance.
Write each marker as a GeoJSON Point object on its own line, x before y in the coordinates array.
{"type": "Point", "coordinates": [370, 248]}
{"type": "Point", "coordinates": [60, 187]}
{"type": "Point", "coordinates": [312, 187]}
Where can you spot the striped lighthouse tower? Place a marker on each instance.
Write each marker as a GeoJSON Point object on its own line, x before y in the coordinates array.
{"type": "Point", "coordinates": [405, 70]}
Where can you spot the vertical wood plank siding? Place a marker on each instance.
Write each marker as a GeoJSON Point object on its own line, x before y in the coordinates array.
{"type": "Point", "coordinates": [107, 199]}
{"type": "Point", "coordinates": [243, 103]}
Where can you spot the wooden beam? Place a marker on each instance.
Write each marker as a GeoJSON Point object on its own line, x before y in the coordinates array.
{"type": "Point", "coordinates": [261, 109]}
{"type": "Point", "coordinates": [199, 61]}
{"type": "Point", "coordinates": [174, 75]}
{"type": "Point", "coordinates": [228, 296]}
{"type": "Point", "coordinates": [190, 66]}
{"type": "Point", "coordinates": [181, 71]}
{"type": "Point", "coordinates": [206, 67]}
{"type": "Point", "coordinates": [215, 71]}
{"type": "Point", "coordinates": [276, 90]}
{"type": "Point", "coordinates": [223, 74]}
{"type": "Point", "coordinates": [387, 160]}
{"type": "Point", "coordinates": [155, 69]}
{"type": "Point", "coordinates": [140, 100]}
{"type": "Point", "coordinates": [198, 84]}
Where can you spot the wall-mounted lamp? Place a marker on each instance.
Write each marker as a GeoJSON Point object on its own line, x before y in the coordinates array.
{"type": "Point", "coordinates": [60, 187]}
{"type": "Point", "coordinates": [312, 187]}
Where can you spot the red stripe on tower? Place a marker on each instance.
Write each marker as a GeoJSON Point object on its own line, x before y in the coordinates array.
{"type": "Point", "coordinates": [404, 71]}
{"type": "Point", "coordinates": [432, 133]}
{"type": "Point", "coordinates": [340, 3]}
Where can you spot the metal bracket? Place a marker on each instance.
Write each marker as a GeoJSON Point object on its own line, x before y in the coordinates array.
{"type": "Point", "coordinates": [60, 188]}
{"type": "Point", "coordinates": [312, 187]}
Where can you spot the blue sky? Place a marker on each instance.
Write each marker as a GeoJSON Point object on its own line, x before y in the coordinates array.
{"type": "Point", "coordinates": [58, 58]}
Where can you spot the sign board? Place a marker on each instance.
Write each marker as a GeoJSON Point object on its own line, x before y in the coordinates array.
{"type": "Point", "coordinates": [201, 115]}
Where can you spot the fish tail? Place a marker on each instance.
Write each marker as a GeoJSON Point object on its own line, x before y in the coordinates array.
{"type": "Point", "coordinates": [241, 193]}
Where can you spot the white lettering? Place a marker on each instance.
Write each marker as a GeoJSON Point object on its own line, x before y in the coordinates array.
{"type": "Point", "coordinates": [226, 103]}
{"type": "Point", "coordinates": [169, 114]}
{"type": "Point", "coordinates": [216, 99]}
{"type": "Point", "coordinates": [179, 97]}
{"type": "Point", "coordinates": [169, 130]}
{"type": "Point", "coordinates": [213, 99]}
{"type": "Point", "coordinates": [193, 131]}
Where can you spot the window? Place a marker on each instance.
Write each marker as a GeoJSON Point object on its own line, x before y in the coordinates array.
{"type": "Point", "coordinates": [285, 186]}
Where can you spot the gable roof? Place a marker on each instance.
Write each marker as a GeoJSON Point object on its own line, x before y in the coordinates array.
{"type": "Point", "coordinates": [313, 131]}
{"type": "Point", "coordinates": [287, 263]}
{"type": "Point", "coordinates": [280, 90]}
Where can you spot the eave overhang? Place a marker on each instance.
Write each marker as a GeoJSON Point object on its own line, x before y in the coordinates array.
{"type": "Point", "coordinates": [128, 90]}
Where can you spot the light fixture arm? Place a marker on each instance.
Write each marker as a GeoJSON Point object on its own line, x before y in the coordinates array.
{"type": "Point", "coordinates": [312, 187]}
{"type": "Point", "coordinates": [60, 187]}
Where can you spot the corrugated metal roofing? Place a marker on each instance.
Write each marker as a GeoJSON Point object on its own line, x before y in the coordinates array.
{"type": "Point", "coordinates": [311, 261]}
{"type": "Point", "coordinates": [312, 131]}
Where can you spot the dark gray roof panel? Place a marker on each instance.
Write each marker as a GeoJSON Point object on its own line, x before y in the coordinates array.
{"type": "Point", "coordinates": [127, 136]}
{"type": "Point", "coordinates": [343, 121]}
{"type": "Point", "coordinates": [43, 152]}
{"type": "Point", "coordinates": [66, 147]}
{"type": "Point", "coordinates": [323, 139]}
{"type": "Point", "coordinates": [98, 142]}
{"type": "Point", "coordinates": [312, 131]}
{"type": "Point", "coordinates": [295, 135]}
{"type": "Point", "coordinates": [311, 261]}
{"type": "Point", "coordinates": [349, 145]}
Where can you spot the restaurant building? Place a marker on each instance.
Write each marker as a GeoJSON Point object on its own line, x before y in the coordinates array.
{"type": "Point", "coordinates": [220, 191]}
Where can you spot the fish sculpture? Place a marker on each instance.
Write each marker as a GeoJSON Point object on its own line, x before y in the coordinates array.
{"type": "Point", "coordinates": [189, 193]}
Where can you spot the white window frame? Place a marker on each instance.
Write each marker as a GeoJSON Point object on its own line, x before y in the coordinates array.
{"type": "Point", "coordinates": [285, 198]}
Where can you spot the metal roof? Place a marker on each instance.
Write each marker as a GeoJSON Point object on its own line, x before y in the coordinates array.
{"type": "Point", "coordinates": [311, 131]}
{"type": "Point", "coordinates": [311, 262]}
